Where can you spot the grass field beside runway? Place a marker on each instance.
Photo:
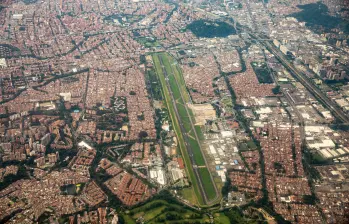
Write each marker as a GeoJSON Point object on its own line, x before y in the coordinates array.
{"type": "Point", "coordinates": [176, 86]}
{"type": "Point", "coordinates": [181, 98]}
{"type": "Point", "coordinates": [208, 185]}
{"type": "Point", "coordinates": [170, 107]}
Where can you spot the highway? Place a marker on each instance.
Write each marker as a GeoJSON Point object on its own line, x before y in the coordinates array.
{"type": "Point", "coordinates": [308, 84]}
{"type": "Point", "coordinates": [300, 76]}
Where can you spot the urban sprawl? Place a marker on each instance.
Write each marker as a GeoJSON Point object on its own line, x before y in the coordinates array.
{"type": "Point", "coordinates": [150, 111]}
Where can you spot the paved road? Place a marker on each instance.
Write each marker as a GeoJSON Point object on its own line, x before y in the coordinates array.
{"type": "Point", "coordinates": [332, 106]}
{"type": "Point", "coordinates": [302, 78]}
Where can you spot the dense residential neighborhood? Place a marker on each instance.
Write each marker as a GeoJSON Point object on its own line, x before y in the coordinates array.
{"type": "Point", "coordinates": [195, 111]}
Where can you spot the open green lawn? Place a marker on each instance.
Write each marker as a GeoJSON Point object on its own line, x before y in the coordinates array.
{"type": "Point", "coordinates": [189, 194]}
{"type": "Point", "coordinates": [199, 133]}
{"type": "Point", "coordinates": [171, 63]}
{"type": "Point", "coordinates": [147, 42]}
{"type": "Point", "coordinates": [220, 218]}
{"type": "Point", "coordinates": [161, 211]}
{"type": "Point", "coordinates": [184, 117]}
{"type": "Point", "coordinates": [147, 206]}
{"type": "Point", "coordinates": [175, 90]}
{"type": "Point", "coordinates": [128, 219]}
{"type": "Point", "coordinates": [153, 213]}
{"type": "Point", "coordinates": [208, 185]}
{"type": "Point", "coordinates": [243, 146]}
{"type": "Point", "coordinates": [251, 144]}
{"type": "Point", "coordinates": [147, 212]}
{"type": "Point", "coordinates": [218, 182]}
{"type": "Point", "coordinates": [198, 157]}
{"type": "Point", "coordinates": [227, 102]}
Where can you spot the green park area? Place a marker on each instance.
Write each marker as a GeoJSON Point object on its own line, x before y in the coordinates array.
{"type": "Point", "coordinates": [211, 29]}
{"type": "Point", "coordinates": [262, 72]}
{"type": "Point", "coordinates": [166, 64]}
{"type": "Point", "coordinates": [148, 41]}
{"type": "Point", "coordinates": [162, 211]}
{"type": "Point", "coordinates": [166, 209]}
{"type": "Point", "coordinates": [199, 132]}
{"type": "Point", "coordinates": [208, 186]}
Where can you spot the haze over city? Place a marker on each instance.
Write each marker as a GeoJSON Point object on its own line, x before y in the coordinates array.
{"type": "Point", "coordinates": [169, 111]}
